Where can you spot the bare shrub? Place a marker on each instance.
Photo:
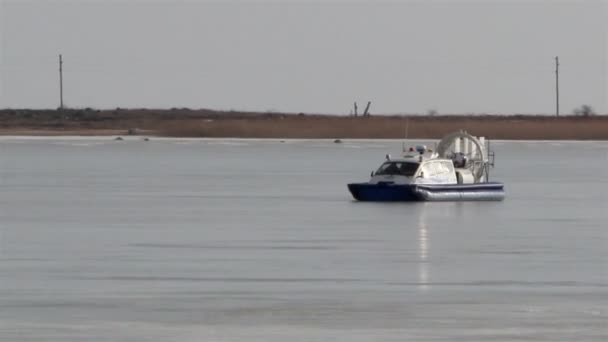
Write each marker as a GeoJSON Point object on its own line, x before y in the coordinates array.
{"type": "Point", "coordinates": [584, 110]}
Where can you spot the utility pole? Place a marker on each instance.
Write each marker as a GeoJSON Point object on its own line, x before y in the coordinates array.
{"type": "Point", "coordinates": [60, 82]}
{"type": "Point", "coordinates": [556, 85]}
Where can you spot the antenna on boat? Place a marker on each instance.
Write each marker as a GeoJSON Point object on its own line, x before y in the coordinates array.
{"type": "Point", "coordinates": [407, 128]}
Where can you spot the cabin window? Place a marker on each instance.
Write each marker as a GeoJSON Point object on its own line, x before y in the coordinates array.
{"type": "Point", "coordinates": [448, 167]}
{"type": "Point", "coordinates": [436, 169]}
{"type": "Point", "coordinates": [407, 169]}
{"type": "Point", "coordinates": [440, 169]}
{"type": "Point", "coordinates": [428, 170]}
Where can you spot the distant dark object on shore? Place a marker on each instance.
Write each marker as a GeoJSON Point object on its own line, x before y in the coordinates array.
{"type": "Point", "coordinates": [119, 139]}
{"type": "Point", "coordinates": [337, 141]}
{"type": "Point", "coordinates": [584, 110]}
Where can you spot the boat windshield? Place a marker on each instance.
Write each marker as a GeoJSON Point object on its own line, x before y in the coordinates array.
{"type": "Point", "coordinates": [398, 168]}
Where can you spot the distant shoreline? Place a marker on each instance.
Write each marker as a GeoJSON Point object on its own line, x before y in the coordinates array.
{"type": "Point", "coordinates": [216, 124]}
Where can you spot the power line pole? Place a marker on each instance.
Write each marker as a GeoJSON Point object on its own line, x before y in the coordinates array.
{"type": "Point", "coordinates": [60, 82]}
{"type": "Point", "coordinates": [556, 85]}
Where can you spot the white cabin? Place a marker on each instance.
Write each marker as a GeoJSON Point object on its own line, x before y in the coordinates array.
{"type": "Point", "coordinates": [422, 168]}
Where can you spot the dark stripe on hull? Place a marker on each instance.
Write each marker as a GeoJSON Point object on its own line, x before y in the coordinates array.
{"type": "Point", "coordinates": [384, 192]}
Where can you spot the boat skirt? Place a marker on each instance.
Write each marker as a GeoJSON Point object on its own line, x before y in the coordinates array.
{"type": "Point", "coordinates": [390, 192]}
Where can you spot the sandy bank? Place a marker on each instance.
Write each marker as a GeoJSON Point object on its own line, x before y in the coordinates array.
{"type": "Point", "coordinates": [205, 123]}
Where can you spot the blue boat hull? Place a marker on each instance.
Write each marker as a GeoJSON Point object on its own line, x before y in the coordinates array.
{"type": "Point", "coordinates": [390, 192]}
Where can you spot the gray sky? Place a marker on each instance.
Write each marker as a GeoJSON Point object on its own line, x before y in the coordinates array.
{"type": "Point", "coordinates": [306, 56]}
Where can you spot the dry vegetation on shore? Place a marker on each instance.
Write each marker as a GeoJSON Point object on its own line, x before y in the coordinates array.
{"type": "Point", "coordinates": [207, 123]}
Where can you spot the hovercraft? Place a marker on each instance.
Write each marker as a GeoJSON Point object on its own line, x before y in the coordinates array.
{"type": "Point", "coordinates": [457, 170]}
